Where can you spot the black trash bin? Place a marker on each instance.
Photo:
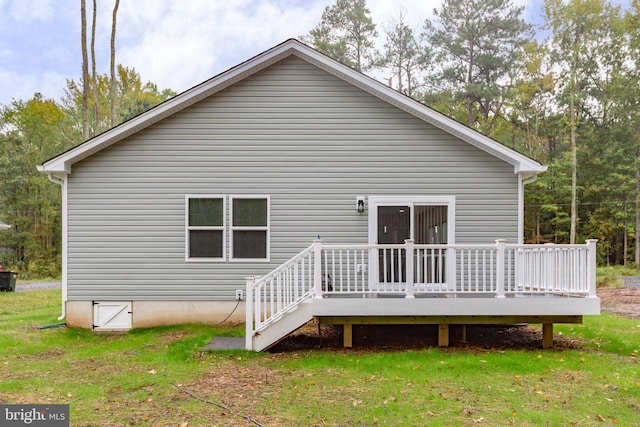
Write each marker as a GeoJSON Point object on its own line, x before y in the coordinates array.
{"type": "Point", "coordinates": [8, 281]}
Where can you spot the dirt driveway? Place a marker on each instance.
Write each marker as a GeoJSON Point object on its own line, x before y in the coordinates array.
{"type": "Point", "coordinates": [622, 301]}
{"type": "Point", "coordinates": [36, 286]}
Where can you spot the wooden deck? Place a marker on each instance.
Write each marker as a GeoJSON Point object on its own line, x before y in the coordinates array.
{"type": "Point", "coordinates": [429, 284]}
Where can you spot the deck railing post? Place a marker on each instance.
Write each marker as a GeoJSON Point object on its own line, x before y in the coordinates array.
{"type": "Point", "coordinates": [451, 273]}
{"type": "Point", "coordinates": [249, 313]}
{"type": "Point", "coordinates": [591, 267]}
{"type": "Point", "coordinates": [317, 268]}
{"type": "Point", "coordinates": [409, 253]}
{"type": "Point", "coordinates": [500, 270]}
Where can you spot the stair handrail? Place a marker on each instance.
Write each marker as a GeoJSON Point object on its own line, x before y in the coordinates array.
{"type": "Point", "coordinates": [288, 296]}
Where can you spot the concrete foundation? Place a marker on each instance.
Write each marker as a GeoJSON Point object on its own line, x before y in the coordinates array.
{"type": "Point", "coordinates": [145, 314]}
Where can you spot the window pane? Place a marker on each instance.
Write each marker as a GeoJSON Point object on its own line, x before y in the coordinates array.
{"type": "Point", "coordinates": [250, 212]}
{"type": "Point", "coordinates": [250, 244]}
{"type": "Point", "coordinates": [205, 212]}
{"type": "Point", "coordinates": [205, 244]}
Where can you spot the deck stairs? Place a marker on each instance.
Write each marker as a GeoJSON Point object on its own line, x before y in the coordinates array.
{"type": "Point", "coordinates": [280, 302]}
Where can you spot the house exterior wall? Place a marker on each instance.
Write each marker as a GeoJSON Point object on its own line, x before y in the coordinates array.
{"type": "Point", "coordinates": [295, 133]}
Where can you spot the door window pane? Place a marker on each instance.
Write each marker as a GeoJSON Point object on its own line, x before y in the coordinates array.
{"type": "Point", "coordinates": [394, 224]}
{"type": "Point", "coordinates": [430, 225]}
{"type": "Point", "coordinates": [394, 227]}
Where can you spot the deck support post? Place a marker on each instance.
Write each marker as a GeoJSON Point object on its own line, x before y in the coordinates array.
{"type": "Point", "coordinates": [547, 335]}
{"type": "Point", "coordinates": [347, 335]}
{"type": "Point", "coordinates": [443, 335]}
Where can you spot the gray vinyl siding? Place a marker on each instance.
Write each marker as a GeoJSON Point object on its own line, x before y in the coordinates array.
{"type": "Point", "coordinates": [309, 140]}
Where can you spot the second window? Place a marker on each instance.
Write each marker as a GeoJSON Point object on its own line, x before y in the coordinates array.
{"type": "Point", "coordinates": [249, 233]}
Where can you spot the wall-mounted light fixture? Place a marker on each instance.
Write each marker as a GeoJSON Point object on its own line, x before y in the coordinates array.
{"type": "Point", "coordinates": [360, 204]}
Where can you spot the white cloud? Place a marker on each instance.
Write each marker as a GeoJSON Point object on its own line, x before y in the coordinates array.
{"type": "Point", "coordinates": [28, 11]}
{"type": "Point", "coordinates": [175, 44]}
{"type": "Point", "coordinates": [185, 43]}
{"type": "Point", "coordinates": [20, 86]}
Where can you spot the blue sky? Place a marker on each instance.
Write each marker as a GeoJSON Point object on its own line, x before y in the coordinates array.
{"type": "Point", "coordinates": [175, 44]}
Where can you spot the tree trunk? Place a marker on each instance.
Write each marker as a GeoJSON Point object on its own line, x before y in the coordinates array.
{"type": "Point", "coordinates": [400, 69]}
{"type": "Point", "coordinates": [409, 88]}
{"type": "Point", "coordinates": [85, 71]}
{"type": "Point", "coordinates": [468, 82]}
{"type": "Point", "coordinates": [94, 80]}
{"type": "Point", "coordinates": [637, 257]}
{"type": "Point", "coordinates": [112, 64]}
{"type": "Point", "coordinates": [469, 111]}
{"type": "Point", "coordinates": [625, 236]}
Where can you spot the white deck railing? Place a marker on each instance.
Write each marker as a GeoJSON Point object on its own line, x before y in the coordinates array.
{"type": "Point", "coordinates": [270, 297]}
{"type": "Point", "coordinates": [412, 270]}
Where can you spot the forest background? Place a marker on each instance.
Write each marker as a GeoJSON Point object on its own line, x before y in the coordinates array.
{"type": "Point", "coordinates": [569, 100]}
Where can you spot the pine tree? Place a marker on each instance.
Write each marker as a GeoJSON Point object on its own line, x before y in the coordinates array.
{"type": "Point", "coordinates": [345, 33]}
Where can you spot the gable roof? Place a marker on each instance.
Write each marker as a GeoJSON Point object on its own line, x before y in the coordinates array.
{"type": "Point", "coordinates": [61, 164]}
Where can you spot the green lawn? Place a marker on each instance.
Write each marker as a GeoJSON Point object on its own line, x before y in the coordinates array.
{"type": "Point", "coordinates": [144, 377]}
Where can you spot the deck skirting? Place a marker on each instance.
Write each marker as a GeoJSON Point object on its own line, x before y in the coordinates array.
{"type": "Point", "coordinates": [443, 320]}
{"type": "Point", "coordinates": [451, 307]}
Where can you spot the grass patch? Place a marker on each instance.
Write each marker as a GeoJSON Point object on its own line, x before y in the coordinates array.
{"type": "Point", "coordinates": [15, 303]}
{"type": "Point", "coordinates": [138, 378]}
{"type": "Point", "coordinates": [607, 277]}
{"type": "Point", "coordinates": [452, 387]}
